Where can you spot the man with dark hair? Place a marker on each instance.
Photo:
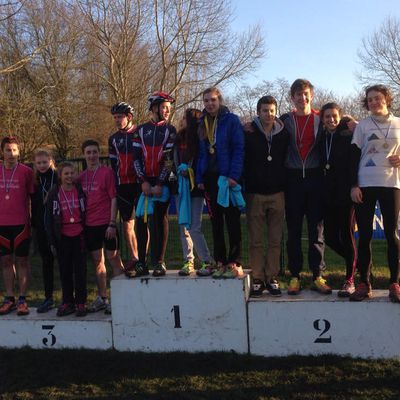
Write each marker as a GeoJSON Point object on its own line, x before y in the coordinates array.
{"type": "Point", "coordinates": [120, 148]}
{"type": "Point", "coordinates": [16, 186]}
{"type": "Point", "coordinates": [266, 143]}
{"type": "Point", "coordinates": [98, 184]}
{"type": "Point", "coordinates": [303, 191]}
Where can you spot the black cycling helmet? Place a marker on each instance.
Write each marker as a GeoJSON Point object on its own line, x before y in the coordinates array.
{"type": "Point", "coordinates": [122, 108]}
{"type": "Point", "coordinates": [158, 98]}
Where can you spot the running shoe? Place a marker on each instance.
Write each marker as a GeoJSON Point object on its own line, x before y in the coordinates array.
{"type": "Point", "coordinates": [7, 306]}
{"type": "Point", "coordinates": [257, 288]}
{"type": "Point", "coordinates": [320, 286]}
{"type": "Point", "coordinates": [347, 289]}
{"type": "Point", "coordinates": [206, 269]}
{"type": "Point", "coordinates": [394, 293]}
{"type": "Point", "coordinates": [65, 309]}
{"type": "Point", "coordinates": [187, 269]}
{"type": "Point", "coordinates": [159, 269]}
{"type": "Point", "coordinates": [139, 269]}
{"type": "Point", "coordinates": [363, 291]}
{"type": "Point", "coordinates": [273, 288]}
{"type": "Point", "coordinates": [81, 310]}
{"type": "Point", "coordinates": [233, 270]}
{"type": "Point", "coordinates": [98, 304]}
{"type": "Point", "coordinates": [294, 286]}
{"type": "Point", "coordinates": [218, 271]}
{"type": "Point", "coordinates": [107, 311]}
{"type": "Point", "coordinates": [46, 306]}
{"type": "Point", "coordinates": [22, 308]}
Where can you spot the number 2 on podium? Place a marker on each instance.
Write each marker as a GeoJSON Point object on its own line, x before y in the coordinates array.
{"type": "Point", "coordinates": [326, 326]}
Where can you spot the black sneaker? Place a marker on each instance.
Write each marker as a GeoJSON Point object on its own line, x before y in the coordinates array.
{"type": "Point", "coordinates": [273, 288]}
{"type": "Point", "coordinates": [159, 269]}
{"type": "Point", "coordinates": [47, 305]}
{"type": "Point", "coordinates": [65, 309]}
{"type": "Point", "coordinates": [257, 288]}
{"type": "Point", "coordinates": [139, 269]}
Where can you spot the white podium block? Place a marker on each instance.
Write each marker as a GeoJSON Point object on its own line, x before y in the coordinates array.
{"type": "Point", "coordinates": [174, 313]}
{"type": "Point", "coordinates": [47, 331]}
{"type": "Point", "coordinates": [315, 324]}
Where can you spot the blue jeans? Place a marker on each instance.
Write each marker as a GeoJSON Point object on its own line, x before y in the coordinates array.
{"type": "Point", "coordinates": [193, 238]}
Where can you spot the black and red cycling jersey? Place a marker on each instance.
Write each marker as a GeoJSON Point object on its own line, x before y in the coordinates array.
{"type": "Point", "coordinates": [153, 143]}
{"type": "Point", "coordinates": [120, 151]}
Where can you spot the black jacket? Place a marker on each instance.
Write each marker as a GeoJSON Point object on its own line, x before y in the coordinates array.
{"type": "Point", "coordinates": [260, 175]}
{"type": "Point", "coordinates": [337, 180]}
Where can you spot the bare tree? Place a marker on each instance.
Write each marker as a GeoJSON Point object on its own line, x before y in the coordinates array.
{"type": "Point", "coordinates": [196, 48]}
{"type": "Point", "coordinates": [380, 55]}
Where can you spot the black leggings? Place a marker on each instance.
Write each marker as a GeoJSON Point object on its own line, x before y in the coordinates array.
{"type": "Point", "coordinates": [232, 219]}
{"type": "Point", "coordinates": [339, 224]}
{"type": "Point", "coordinates": [47, 262]}
{"type": "Point", "coordinates": [72, 263]}
{"type": "Point", "coordinates": [389, 201]}
{"type": "Point", "coordinates": [158, 237]}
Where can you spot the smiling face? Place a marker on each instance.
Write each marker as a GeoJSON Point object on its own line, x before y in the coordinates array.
{"type": "Point", "coordinates": [377, 104]}
{"type": "Point", "coordinates": [42, 163]}
{"type": "Point", "coordinates": [331, 119]}
{"type": "Point", "coordinates": [302, 100]}
{"type": "Point", "coordinates": [211, 103]}
{"type": "Point", "coordinates": [92, 156]}
{"type": "Point", "coordinates": [267, 114]}
{"type": "Point", "coordinates": [67, 176]}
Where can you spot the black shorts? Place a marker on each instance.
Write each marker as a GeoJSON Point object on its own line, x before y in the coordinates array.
{"type": "Point", "coordinates": [96, 238]}
{"type": "Point", "coordinates": [126, 199]}
{"type": "Point", "coordinates": [15, 239]}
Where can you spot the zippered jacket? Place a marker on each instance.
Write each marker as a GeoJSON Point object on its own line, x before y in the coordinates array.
{"type": "Point", "coordinates": [294, 163]}
{"type": "Point", "coordinates": [120, 150]}
{"type": "Point", "coordinates": [153, 156]}
{"type": "Point", "coordinates": [229, 147]}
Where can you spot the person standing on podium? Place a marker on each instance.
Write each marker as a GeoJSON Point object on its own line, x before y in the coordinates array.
{"type": "Point", "coordinates": [219, 170]}
{"type": "Point", "coordinates": [153, 159]}
{"type": "Point", "coordinates": [266, 143]}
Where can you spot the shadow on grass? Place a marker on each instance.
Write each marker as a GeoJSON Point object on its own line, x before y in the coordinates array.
{"type": "Point", "coordinates": [79, 374]}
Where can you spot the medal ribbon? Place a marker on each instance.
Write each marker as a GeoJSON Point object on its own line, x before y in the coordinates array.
{"type": "Point", "coordinates": [211, 132]}
{"type": "Point", "coordinates": [328, 148]}
{"type": "Point", "coordinates": [43, 185]}
{"type": "Point", "coordinates": [71, 210]}
{"type": "Point", "coordinates": [381, 130]}
{"type": "Point", "coordinates": [7, 186]}
{"type": "Point", "coordinates": [299, 136]}
{"type": "Point", "coordinates": [89, 187]}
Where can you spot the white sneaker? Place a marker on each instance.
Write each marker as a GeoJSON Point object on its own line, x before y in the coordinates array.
{"type": "Point", "coordinates": [97, 305]}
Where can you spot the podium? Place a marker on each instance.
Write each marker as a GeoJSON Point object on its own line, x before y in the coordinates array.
{"type": "Point", "coordinates": [315, 324]}
{"type": "Point", "coordinates": [47, 331]}
{"type": "Point", "coordinates": [174, 313]}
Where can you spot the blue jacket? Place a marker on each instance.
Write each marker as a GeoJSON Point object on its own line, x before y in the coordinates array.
{"type": "Point", "coordinates": [229, 147]}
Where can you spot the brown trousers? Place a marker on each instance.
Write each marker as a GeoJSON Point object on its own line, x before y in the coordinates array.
{"type": "Point", "coordinates": [265, 211]}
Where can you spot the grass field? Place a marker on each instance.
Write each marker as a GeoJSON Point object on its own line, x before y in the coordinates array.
{"type": "Point", "coordinates": [83, 374]}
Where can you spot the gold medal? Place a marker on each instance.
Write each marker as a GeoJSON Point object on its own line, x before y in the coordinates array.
{"type": "Point", "coordinates": [211, 150]}
{"type": "Point", "coordinates": [7, 196]}
{"type": "Point", "coordinates": [72, 220]}
{"type": "Point", "coordinates": [385, 145]}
